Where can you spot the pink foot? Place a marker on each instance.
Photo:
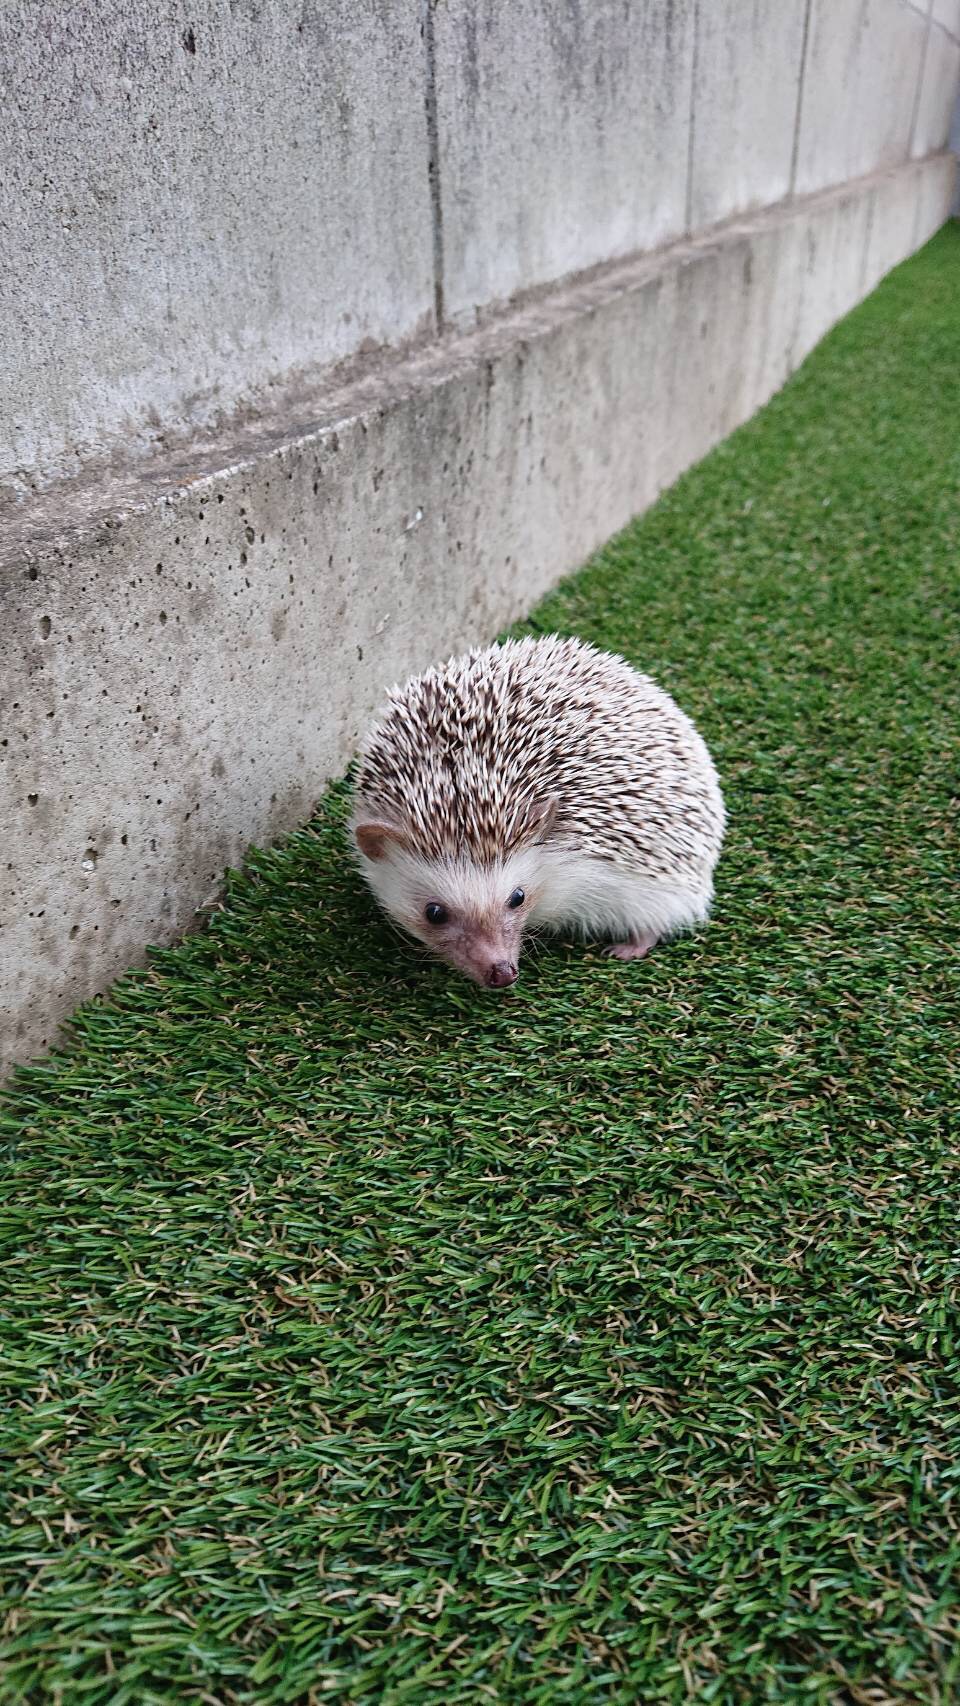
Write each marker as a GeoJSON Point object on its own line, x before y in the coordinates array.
{"type": "Point", "coordinates": [634, 949]}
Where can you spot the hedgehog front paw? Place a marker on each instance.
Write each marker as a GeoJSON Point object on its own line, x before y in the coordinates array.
{"type": "Point", "coordinates": [634, 948]}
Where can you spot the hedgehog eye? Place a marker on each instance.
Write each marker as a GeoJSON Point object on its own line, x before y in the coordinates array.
{"type": "Point", "coordinates": [517, 898]}
{"type": "Point", "coordinates": [434, 913]}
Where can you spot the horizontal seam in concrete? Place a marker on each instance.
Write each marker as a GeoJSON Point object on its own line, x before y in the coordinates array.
{"type": "Point", "coordinates": [60, 517]}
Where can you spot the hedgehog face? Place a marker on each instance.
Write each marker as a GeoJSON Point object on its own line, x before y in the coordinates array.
{"type": "Point", "coordinates": [471, 916]}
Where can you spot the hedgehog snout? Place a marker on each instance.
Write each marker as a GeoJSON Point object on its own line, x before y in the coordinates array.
{"type": "Point", "coordinates": [502, 974]}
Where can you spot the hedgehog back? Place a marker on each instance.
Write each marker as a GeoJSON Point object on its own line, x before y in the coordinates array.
{"type": "Point", "coordinates": [465, 752]}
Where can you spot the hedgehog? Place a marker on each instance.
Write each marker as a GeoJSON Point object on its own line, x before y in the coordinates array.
{"type": "Point", "coordinates": [540, 784]}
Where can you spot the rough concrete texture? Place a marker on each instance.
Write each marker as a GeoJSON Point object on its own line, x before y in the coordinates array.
{"type": "Point", "coordinates": [188, 671]}
{"type": "Point", "coordinates": [197, 202]}
{"type": "Point", "coordinates": [563, 138]}
{"type": "Point", "coordinates": [901, 213]}
{"type": "Point", "coordinates": [208, 204]}
{"type": "Point", "coordinates": [938, 94]}
{"type": "Point", "coordinates": [861, 76]}
{"type": "Point", "coordinates": [746, 103]}
{"type": "Point", "coordinates": [946, 13]}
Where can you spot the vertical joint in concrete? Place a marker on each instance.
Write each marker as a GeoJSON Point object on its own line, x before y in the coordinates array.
{"type": "Point", "coordinates": [867, 240]}
{"type": "Point", "coordinates": [920, 76]}
{"type": "Point", "coordinates": [798, 116]}
{"type": "Point", "coordinates": [433, 161]}
{"type": "Point", "coordinates": [688, 217]}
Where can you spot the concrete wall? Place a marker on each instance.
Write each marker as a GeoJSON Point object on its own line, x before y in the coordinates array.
{"type": "Point", "coordinates": [198, 203]}
{"type": "Point", "coordinates": [334, 333]}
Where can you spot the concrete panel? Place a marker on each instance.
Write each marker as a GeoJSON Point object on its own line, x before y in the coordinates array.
{"type": "Point", "coordinates": [831, 262]}
{"type": "Point", "coordinates": [906, 208]}
{"type": "Point", "coordinates": [188, 657]}
{"type": "Point", "coordinates": [891, 224]}
{"type": "Point", "coordinates": [710, 298]}
{"type": "Point", "coordinates": [946, 13]}
{"type": "Point", "coordinates": [563, 137]}
{"type": "Point", "coordinates": [938, 94]}
{"type": "Point", "coordinates": [203, 201]}
{"type": "Point", "coordinates": [863, 64]}
{"type": "Point", "coordinates": [936, 182]}
{"type": "Point", "coordinates": [936, 192]}
{"type": "Point", "coordinates": [746, 93]}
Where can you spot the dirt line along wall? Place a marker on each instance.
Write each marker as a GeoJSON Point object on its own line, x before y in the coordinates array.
{"type": "Point", "coordinates": [334, 332]}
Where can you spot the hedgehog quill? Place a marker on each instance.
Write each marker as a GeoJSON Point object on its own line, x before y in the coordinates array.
{"type": "Point", "coordinates": [536, 785]}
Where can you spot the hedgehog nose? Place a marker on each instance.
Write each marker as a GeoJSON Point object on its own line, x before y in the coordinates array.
{"type": "Point", "coordinates": [501, 974]}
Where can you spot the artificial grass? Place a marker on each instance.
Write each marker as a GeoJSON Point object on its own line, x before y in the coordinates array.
{"type": "Point", "coordinates": [372, 1339]}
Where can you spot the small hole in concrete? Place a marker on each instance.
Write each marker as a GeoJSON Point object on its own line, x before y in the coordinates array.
{"type": "Point", "coordinates": [74, 932]}
{"type": "Point", "coordinates": [189, 40]}
{"type": "Point", "coordinates": [163, 616]}
{"type": "Point", "coordinates": [159, 568]}
{"type": "Point", "coordinates": [123, 841]}
{"type": "Point", "coordinates": [45, 626]}
{"type": "Point", "coordinates": [33, 572]}
{"type": "Point", "coordinates": [89, 860]}
{"type": "Point", "coordinates": [32, 799]}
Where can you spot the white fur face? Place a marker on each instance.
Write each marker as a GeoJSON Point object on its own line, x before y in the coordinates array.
{"type": "Point", "coordinates": [475, 916]}
{"type": "Point", "coordinates": [472, 916]}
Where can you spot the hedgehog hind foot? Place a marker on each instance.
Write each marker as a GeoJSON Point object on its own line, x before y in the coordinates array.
{"type": "Point", "coordinates": [634, 948]}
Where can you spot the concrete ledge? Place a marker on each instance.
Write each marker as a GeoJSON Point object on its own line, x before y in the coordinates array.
{"type": "Point", "coordinates": [190, 648]}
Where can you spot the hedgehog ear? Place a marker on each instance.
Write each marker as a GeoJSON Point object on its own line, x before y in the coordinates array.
{"type": "Point", "coordinates": [377, 840]}
{"type": "Point", "coordinates": [538, 819]}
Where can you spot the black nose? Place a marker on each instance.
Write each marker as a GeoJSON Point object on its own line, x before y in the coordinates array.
{"type": "Point", "coordinates": [502, 974]}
